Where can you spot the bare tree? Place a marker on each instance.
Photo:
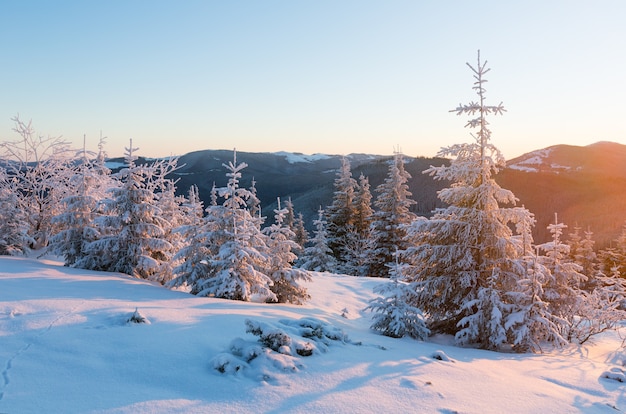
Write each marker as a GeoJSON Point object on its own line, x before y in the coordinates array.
{"type": "Point", "coordinates": [37, 169]}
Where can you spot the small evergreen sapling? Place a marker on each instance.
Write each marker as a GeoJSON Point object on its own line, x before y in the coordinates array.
{"type": "Point", "coordinates": [318, 257]}
{"type": "Point", "coordinates": [394, 312]}
{"type": "Point", "coordinates": [286, 279]}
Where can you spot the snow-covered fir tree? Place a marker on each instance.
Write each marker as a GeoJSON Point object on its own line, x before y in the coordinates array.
{"type": "Point", "coordinates": [531, 325]}
{"type": "Point", "coordinates": [196, 232]}
{"type": "Point", "coordinates": [301, 235]}
{"type": "Point", "coordinates": [393, 214]}
{"type": "Point", "coordinates": [613, 258]}
{"type": "Point", "coordinates": [563, 288]}
{"type": "Point", "coordinates": [359, 241]}
{"type": "Point", "coordinates": [318, 256]}
{"type": "Point", "coordinates": [290, 215]}
{"type": "Point", "coordinates": [133, 236]}
{"type": "Point", "coordinates": [465, 259]}
{"type": "Point", "coordinates": [13, 226]}
{"type": "Point", "coordinates": [340, 214]}
{"type": "Point", "coordinates": [237, 254]}
{"type": "Point", "coordinates": [253, 202]}
{"type": "Point", "coordinates": [574, 240]}
{"type": "Point", "coordinates": [587, 257]}
{"type": "Point", "coordinates": [75, 224]}
{"type": "Point", "coordinates": [171, 206]}
{"type": "Point", "coordinates": [394, 312]}
{"type": "Point", "coordinates": [286, 279]}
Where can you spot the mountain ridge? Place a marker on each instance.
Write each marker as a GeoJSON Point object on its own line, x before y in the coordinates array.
{"type": "Point", "coordinates": [583, 184]}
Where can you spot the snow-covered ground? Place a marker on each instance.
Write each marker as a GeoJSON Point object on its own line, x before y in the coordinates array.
{"type": "Point", "coordinates": [66, 347]}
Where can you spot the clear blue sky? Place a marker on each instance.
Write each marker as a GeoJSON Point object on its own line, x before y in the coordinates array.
{"type": "Point", "coordinates": [311, 76]}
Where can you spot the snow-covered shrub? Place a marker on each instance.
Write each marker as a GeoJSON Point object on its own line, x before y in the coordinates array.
{"type": "Point", "coordinates": [279, 348]}
{"type": "Point", "coordinates": [137, 317]}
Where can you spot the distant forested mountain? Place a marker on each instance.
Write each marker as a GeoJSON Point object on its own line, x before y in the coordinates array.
{"type": "Point", "coordinates": [586, 186]}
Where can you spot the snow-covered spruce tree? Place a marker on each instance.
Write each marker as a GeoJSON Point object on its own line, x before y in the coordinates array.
{"type": "Point", "coordinates": [563, 288]}
{"type": "Point", "coordinates": [393, 214]}
{"type": "Point", "coordinates": [75, 224]}
{"type": "Point", "coordinates": [583, 312]}
{"type": "Point", "coordinates": [285, 278]}
{"type": "Point", "coordinates": [39, 168]}
{"type": "Point", "coordinates": [531, 324]}
{"type": "Point", "coordinates": [253, 202]}
{"type": "Point", "coordinates": [290, 215]}
{"type": "Point", "coordinates": [133, 240]}
{"type": "Point", "coordinates": [318, 257]}
{"type": "Point", "coordinates": [199, 234]}
{"type": "Point", "coordinates": [574, 241]}
{"type": "Point", "coordinates": [13, 229]}
{"type": "Point", "coordinates": [614, 258]}
{"type": "Point", "coordinates": [359, 241]}
{"type": "Point", "coordinates": [171, 206]}
{"type": "Point", "coordinates": [238, 255]}
{"type": "Point", "coordinates": [465, 258]}
{"type": "Point", "coordinates": [301, 235]}
{"type": "Point", "coordinates": [340, 214]}
{"type": "Point", "coordinates": [394, 314]}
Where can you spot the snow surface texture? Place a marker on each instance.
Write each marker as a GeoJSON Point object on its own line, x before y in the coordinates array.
{"type": "Point", "coordinates": [67, 346]}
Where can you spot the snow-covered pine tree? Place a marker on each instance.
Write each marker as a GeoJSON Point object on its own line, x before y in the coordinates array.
{"type": "Point", "coordinates": [393, 214]}
{"type": "Point", "coordinates": [199, 238]}
{"type": "Point", "coordinates": [465, 258]}
{"type": "Point", "coordinates": [532, 324]}
{"type": "Point", "coordinates": [614, 257]}
{"type": "Point", "coordinates": [587, 258]}
{"type": "Point", "coordinates": [171, 206]}
{"type": "Point", "coordinates": [318, 257]}
{"type": "Point", "coordinates": [238, 256]}
{"type": "Point", "coordinates": [290, 215]}
{"type": "Point", "coordinates": [13, 226]}
{"type": "Point", "coordinates": [253, 202]}
{"type": "Point", "coordinates": [394, 312]}
{"type": "Point", "coordinates": [363, 213]}
{"type": "Point", "coordinates": [529, 324]}
{"type": "Point", "coordinates": [301, 234]}
{"type": "Point", "coordinates": [573, 240]}
{"type": "Point", "coordinates": [359, 241]}
{"type": "Point", "coordinates": [133, 239]}
{"type": "Point", "coordinates": [563, 288]}
{"type": "Point", "coordinates": [75, 224]}
{"type": "Point", "coordinates": [286, 279]}
{"type": "Point", "coordinates": [340, 214]}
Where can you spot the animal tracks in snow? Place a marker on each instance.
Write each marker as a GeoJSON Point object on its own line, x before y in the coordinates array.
{"type": "Point", "coordinates": [29, 322]}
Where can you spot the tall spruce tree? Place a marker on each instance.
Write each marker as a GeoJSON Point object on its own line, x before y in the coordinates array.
{"type": "Point", "coordinates": [340, 214]}
{"type": "Point", "coordinates": [237, 256]}
{"type": "Point", "coordinates": [359, 241]}
{"type": "Point", "coordinates": [465, 259]}
{"type": "Point", "coordinates": [393, 214]}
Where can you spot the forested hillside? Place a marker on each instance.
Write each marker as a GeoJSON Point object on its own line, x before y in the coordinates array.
{"type": "Point", "coordinates": [584, 185]}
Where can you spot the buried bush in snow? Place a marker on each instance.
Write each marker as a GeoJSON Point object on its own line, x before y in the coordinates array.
{"type": "Point", "coordinates": [278, 348]}
{"type": "Point", "coordinates": [615, 374]}
{"type": "Point", "coordinates": [137, 317]}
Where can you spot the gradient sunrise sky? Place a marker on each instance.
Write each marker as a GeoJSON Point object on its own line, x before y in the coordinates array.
{"type": "Point", "coordinates": [311, 76]}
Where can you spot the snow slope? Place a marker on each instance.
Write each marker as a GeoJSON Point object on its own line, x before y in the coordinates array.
{"type": "Point", "coordinates": [65, 347]}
